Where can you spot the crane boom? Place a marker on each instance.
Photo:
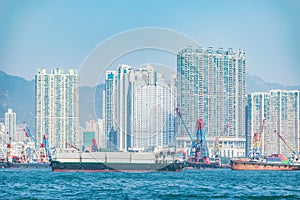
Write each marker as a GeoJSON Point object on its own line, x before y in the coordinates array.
{"type": "Point", "coordinates": [46, 144]}
{"type": "Point", "coordinates": [186, 128]}
{"type": "Point", "coordinates": [29, 135]}
{"type": "Point", "coordinates": [262, 135]}
{"type": "Point", "coordinates": [217, 140]}
{"type": "Point", "coordinates": [72, 146]}
{"type": "Point", "coordinates": [225, 133]}
{"type": "Point", "coordinates": [285, 142]}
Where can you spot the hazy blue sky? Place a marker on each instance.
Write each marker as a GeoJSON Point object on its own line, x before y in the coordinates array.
{"type": "Point", "coordinates": [49, 34]}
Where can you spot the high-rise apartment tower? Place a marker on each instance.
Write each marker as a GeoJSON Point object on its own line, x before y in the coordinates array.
{"type": "Point", "coordinates": [57, 107]}
{"type": "Point", "coordinates": [211, 86]}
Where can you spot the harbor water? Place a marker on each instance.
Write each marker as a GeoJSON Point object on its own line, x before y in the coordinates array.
{"type": "Point", "coordinates": [188, 184]}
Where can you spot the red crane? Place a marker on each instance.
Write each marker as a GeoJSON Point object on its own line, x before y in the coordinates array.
{"type": "Point", "coordinates": [94, 145]}
{"type": "Point", "coordinates": [202, 154]}
{"type": "Point", "coordinates": [72, 146]}
{"type": "Point", "coordinates": [199, 150]}
{"type": "Point", "coordinates": [8, 151]}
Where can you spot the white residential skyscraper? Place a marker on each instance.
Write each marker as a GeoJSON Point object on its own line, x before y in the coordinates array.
{"type": "Point", "coordinates": [10, 120]}
{"type": "Point", "coordinates": [57, 107]}
{"type": "Point", "coordinates": [280, 108]}
{"type": "Point", "coordinates": [108, 114]}
{"type": "Point", "coordinates": [139, 109]}
{"type": "Point", "coordinates": [211, 86]}
{"type": "Point", "coordinates": [153, 111]}
{"type": "Point", "coordinates": [117, 110]}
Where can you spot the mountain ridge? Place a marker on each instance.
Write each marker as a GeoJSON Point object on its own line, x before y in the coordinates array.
{"type": "Point", "coordinates": [256, 84]}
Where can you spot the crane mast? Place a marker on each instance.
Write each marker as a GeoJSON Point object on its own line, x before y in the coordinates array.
{"type": "Point", "coordinates": [225, 133]}
{"type": "Point", "coordinates": [31, 139]}
{"type": "Point", "coordinates": [217, 146]}
{"type": "Point", "coordinates": [94, 145]}
{"type": "Point", "coordinates": [47, 148]}
{"type": "Point", "coordinates": [257, 144]}
{"type": "Point", "coordinates": [202, 154]}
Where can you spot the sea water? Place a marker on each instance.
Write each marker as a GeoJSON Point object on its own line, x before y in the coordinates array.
{"type": "Point", "coordinates": [188, 184]}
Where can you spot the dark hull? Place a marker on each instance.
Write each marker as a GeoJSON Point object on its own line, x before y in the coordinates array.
{"type": "Point", "coordinates": [114, 167]}
{"type": "Point", "coordinates": [25, 166]}
{"type": "Point", "coordinates": [199, 165]}
{"type": "Point", "coordinates": [238, 165]}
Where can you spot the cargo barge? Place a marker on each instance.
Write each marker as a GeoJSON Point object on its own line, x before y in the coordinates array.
{"type": "Point", "coordinates": [251, 165]}
{"type": "Point", "coordinates": [25, 165]}
{"type": "Point", "coordinates": [202, 165]}
{"type": "Point", "coordinates": [74, 161]}
{"type": "Point", "coordinates": [275, 162]}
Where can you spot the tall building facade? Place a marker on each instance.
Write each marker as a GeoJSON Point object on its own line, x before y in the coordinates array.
{"type": "Point", "coordinates": [211, 86]}
{"type": "Point", "coordinates": [57, 107]}
{"type": "Point", "coordinates": [280, 108]}
{"type": "Point", "coordinates": [153, 111]}
{"type": "Point", "coordinates": [139, 112]}
{"type": "Point", "coordinates": [117, 107]}
{"type": "Point", "coordinates": [108, 114]}
{"type": "Point", "coordinates": [10, 122]}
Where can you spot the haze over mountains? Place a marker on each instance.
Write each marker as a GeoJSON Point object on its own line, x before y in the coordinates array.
{"type": "Point", "coordinates": [19, 94]}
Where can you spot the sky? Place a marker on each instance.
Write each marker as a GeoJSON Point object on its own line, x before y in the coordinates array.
{"type": "Point", "coordinates": [48, 34]}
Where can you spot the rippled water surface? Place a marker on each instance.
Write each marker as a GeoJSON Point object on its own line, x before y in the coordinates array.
{"type": "Point", "coordinates": [189, 184]}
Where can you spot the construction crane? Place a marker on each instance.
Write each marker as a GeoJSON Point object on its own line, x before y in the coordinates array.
{"type": "Point", "coordinates": [47, 149]}
{"type": "Point", "coordinates": [31, 139]}
{"type": "Point", "coordinates": [202, 154]}
{"type": "Point", "coordinates": [28, 134]}
{"type": "Point", "coordinates": [7, 154]}
{"type": "Point", "coordinates": [225, 134]}
{"type": "Point", "coordinates": [199, 150]}
{"type": "Point", "coordinates": [257, 144]}
{"type": "Point", "coordinates": [186, 128]}
{"type": "Point", "coordinates": [42, 156]}
{"type": "Point", "coordinates": [294, 154]}
{"type": "Point", "coordinates": [216, 149]}
{"type": "Point", "coordinates": [24, 158]}
{"type": "Point", "coordinates": [72, 146]}
{"type": "Point", "coordinates": [217, 146]}
{"type": "Point", "coordinates": [94, 145]}
{"type": "Point", "coordinates": [8, 151]}
{"type": "Point", "coordinates": [262, 136]}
